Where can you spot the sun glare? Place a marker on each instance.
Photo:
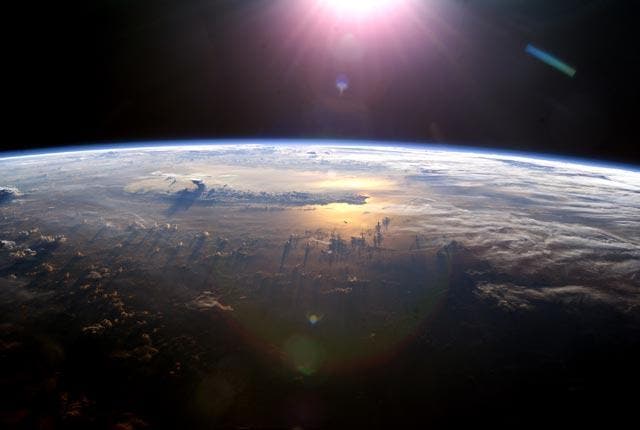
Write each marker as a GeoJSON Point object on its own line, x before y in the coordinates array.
{"type": "Point", "coordinates": [359, 7]}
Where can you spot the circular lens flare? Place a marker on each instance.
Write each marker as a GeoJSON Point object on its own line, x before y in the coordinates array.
{"type": "Point", "coordinates": [342, 83]}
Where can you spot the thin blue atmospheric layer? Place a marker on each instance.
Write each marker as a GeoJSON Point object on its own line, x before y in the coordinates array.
{"type": "Point", "coordinates": [440, 147]}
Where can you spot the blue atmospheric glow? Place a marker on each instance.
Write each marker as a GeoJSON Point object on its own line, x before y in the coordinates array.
{"type": "Point", "coordinates": [551, 60]}
{"type": "Point", "coordinates": [363, 144]}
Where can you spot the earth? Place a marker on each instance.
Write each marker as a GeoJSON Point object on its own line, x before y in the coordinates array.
{"type": "Point", "coordinates": [314, 285]}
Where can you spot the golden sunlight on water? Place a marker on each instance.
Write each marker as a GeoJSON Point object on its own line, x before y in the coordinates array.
{"type": "Point", "coordinates": [345, 217]}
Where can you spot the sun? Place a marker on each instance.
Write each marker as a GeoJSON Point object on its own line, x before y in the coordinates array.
{"type": "Point", "coordinates": [359, 7]}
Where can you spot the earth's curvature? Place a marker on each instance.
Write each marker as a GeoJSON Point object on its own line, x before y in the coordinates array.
{"type": "Point", "coordinates": [314, 285]}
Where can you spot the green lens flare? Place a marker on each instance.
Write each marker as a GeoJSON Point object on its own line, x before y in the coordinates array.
{"type": "Point", "coordinates": [550, 60]}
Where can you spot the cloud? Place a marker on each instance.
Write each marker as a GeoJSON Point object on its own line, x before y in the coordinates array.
{"type": "Point", "coordinates": [94, 275]}
{"type": "Point", "coordinates": [9, 245]}
{"type": "Point", "coordinates": [512, 298]}
{"type": "Point", "coordinates": [338, 290]}
{"type": "Point", "coordinates": [226, 195]}
{"type": "Point", "coordinates": [207, 300]}
{"type": "Point", "coordinates": [98, 328]}
{"type": "Point", "coordinates": [8, 193]}
{"type": "Point", "coordinates": [563, 222]}
{"type": "Point", "coordinates": [534, 221]}
{"type": "Point", "coordinates": [23, 253]}
{"type": "Point", "coordinates": [129, 421]}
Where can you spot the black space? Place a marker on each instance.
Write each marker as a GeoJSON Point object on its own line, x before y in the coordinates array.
{"type": "Point", "coordinates": [120, 70]}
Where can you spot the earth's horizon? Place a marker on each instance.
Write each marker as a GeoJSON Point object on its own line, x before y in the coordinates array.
{"type": "Point", "coordinates": [306, 284]}
{"type": "Point", "coordinates": [183, 144]}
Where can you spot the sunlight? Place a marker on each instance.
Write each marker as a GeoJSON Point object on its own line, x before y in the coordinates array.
{"type": "Point", "coordinates": [359, 7]}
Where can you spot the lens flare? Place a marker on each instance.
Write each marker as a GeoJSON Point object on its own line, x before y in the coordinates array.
{"type": "Point", "coordinates": [342, 83]}
{"type": "Point", "coordinates": [314, 318]}
{"type": "Point", "coordinates": [550, 60]}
